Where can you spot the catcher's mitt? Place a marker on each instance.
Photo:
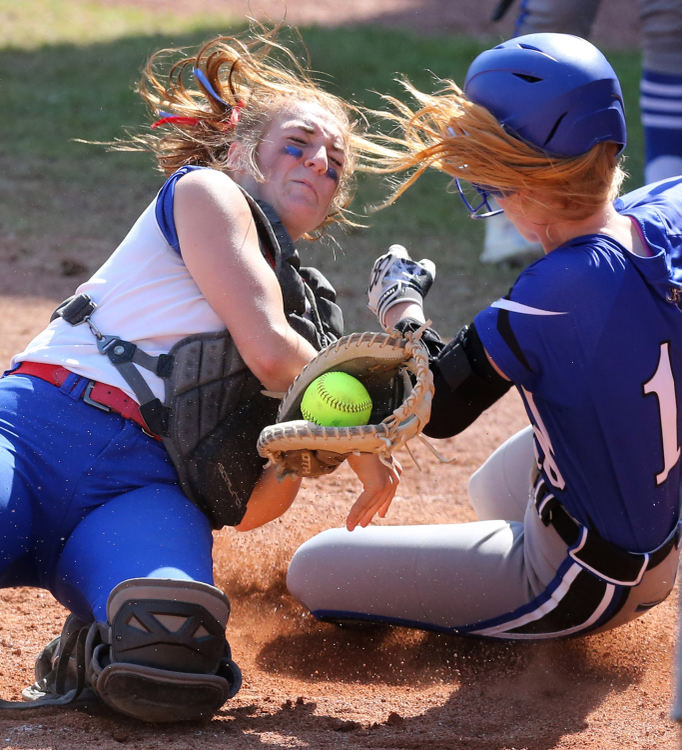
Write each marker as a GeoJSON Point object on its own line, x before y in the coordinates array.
{"type": "Point", "coordinates": [395, 371]}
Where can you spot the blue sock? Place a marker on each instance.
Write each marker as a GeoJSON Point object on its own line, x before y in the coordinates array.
{"type": "Point", "coordinates": [661, 106]}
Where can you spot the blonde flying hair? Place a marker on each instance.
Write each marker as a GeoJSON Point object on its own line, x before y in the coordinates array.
{"type": "Point", "coordinates": [454, 135]}
{"type": "Point", "coordinates": [229, 91]}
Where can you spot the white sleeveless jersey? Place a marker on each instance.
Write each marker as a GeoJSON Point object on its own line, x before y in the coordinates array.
{"type": "Point", "coordinates": [144, 294]}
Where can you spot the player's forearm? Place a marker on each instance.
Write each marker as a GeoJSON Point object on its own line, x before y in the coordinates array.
{"type": "Point", "coordinates": [271, 497]}
{"type": "Point", "coordinates": [276, 356]}
{"type": "Point", "coordinates": [404, 310]}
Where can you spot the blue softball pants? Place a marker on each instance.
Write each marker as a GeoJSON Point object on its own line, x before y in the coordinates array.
{"type": "Point", "coordinates": [88, 500]}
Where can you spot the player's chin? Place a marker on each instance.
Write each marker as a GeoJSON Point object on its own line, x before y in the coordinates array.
{"type": "Point", "coordinates": [305, 214]}
{"type": "Point", "coordinates": [310, 223]}
{"type": "Point", "coordinates": [528, 233]}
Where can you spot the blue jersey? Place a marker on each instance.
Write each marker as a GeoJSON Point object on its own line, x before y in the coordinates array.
{"type": "Point", "coordinates": [591, 335]}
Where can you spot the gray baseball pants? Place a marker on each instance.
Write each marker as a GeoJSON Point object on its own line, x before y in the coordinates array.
{"type": "Point", "coordinates": [509, 579]}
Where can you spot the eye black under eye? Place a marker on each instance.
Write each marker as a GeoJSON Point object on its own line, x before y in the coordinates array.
{"type": "Point", "coordinates": [294, 151]}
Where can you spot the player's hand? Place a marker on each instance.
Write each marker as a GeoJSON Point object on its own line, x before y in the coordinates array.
{"type": "Point", "coordinates": [396, 278]}
{"type": "Point", "coordinates": [379, 482]}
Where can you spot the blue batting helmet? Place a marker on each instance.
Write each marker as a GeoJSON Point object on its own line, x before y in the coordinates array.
{"type": "Point", "coordinates": [554, 91]}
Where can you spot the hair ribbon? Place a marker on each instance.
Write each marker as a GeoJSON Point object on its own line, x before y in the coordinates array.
{"type": "Point", "coordinates": [234, 108]}
{"type": "Point", "coordinates": [167, 117]}
{"type": "Point", "coordinates": [201, 77]}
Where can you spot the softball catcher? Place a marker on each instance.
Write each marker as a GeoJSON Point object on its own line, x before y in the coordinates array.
{"type": "Point", "coordinates": [578, 526]}
{"type": "Point", "coordinates": [128, 427]}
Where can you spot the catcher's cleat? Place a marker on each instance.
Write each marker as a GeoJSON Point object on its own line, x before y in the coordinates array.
{"type": "Point", "coordinates": [60, 670]}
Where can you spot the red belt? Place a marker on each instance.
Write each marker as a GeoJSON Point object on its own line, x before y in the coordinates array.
{"type": "Point", "coordinates": [100, 395]}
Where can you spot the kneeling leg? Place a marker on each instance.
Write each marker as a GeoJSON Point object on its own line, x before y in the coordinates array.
{"type": "Point", "coordinates": [161, 656]}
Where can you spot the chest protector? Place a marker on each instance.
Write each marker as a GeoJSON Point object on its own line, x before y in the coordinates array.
{"type": "Point", "coordinates": [214, 408]}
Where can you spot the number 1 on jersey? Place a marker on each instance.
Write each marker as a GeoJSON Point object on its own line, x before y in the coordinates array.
{"type": "Point", "coordinates": [662, 385]}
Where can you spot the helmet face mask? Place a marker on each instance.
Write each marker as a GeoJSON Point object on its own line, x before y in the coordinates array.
{"type": "Point", "coordinates": [477, 199]}
{"type": "Point", "coordinates": [556, 92]}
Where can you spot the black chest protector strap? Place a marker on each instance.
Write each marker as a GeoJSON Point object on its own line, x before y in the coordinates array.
{"type": "Point", "coordinates": [309, 300]}
{"type": "Point", "coordinates": [126, 357]}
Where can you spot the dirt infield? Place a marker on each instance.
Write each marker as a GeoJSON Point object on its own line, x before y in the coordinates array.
{"type": "Point", "coordinates": [315, 686]}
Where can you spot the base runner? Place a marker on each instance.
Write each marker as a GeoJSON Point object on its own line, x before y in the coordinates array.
{"type": "Point", "coordinates": [578, 524]}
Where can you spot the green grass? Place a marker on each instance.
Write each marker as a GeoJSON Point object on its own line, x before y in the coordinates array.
{"type": "Point", "coordinates": [67, 71]}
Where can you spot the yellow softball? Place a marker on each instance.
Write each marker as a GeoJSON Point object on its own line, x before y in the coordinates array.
{"type": "Point", "coordinates": [336, 399]}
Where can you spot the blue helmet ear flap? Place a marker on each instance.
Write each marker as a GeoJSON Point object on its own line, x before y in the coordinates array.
{"type": "Point", "coordinates": [554, 91]}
